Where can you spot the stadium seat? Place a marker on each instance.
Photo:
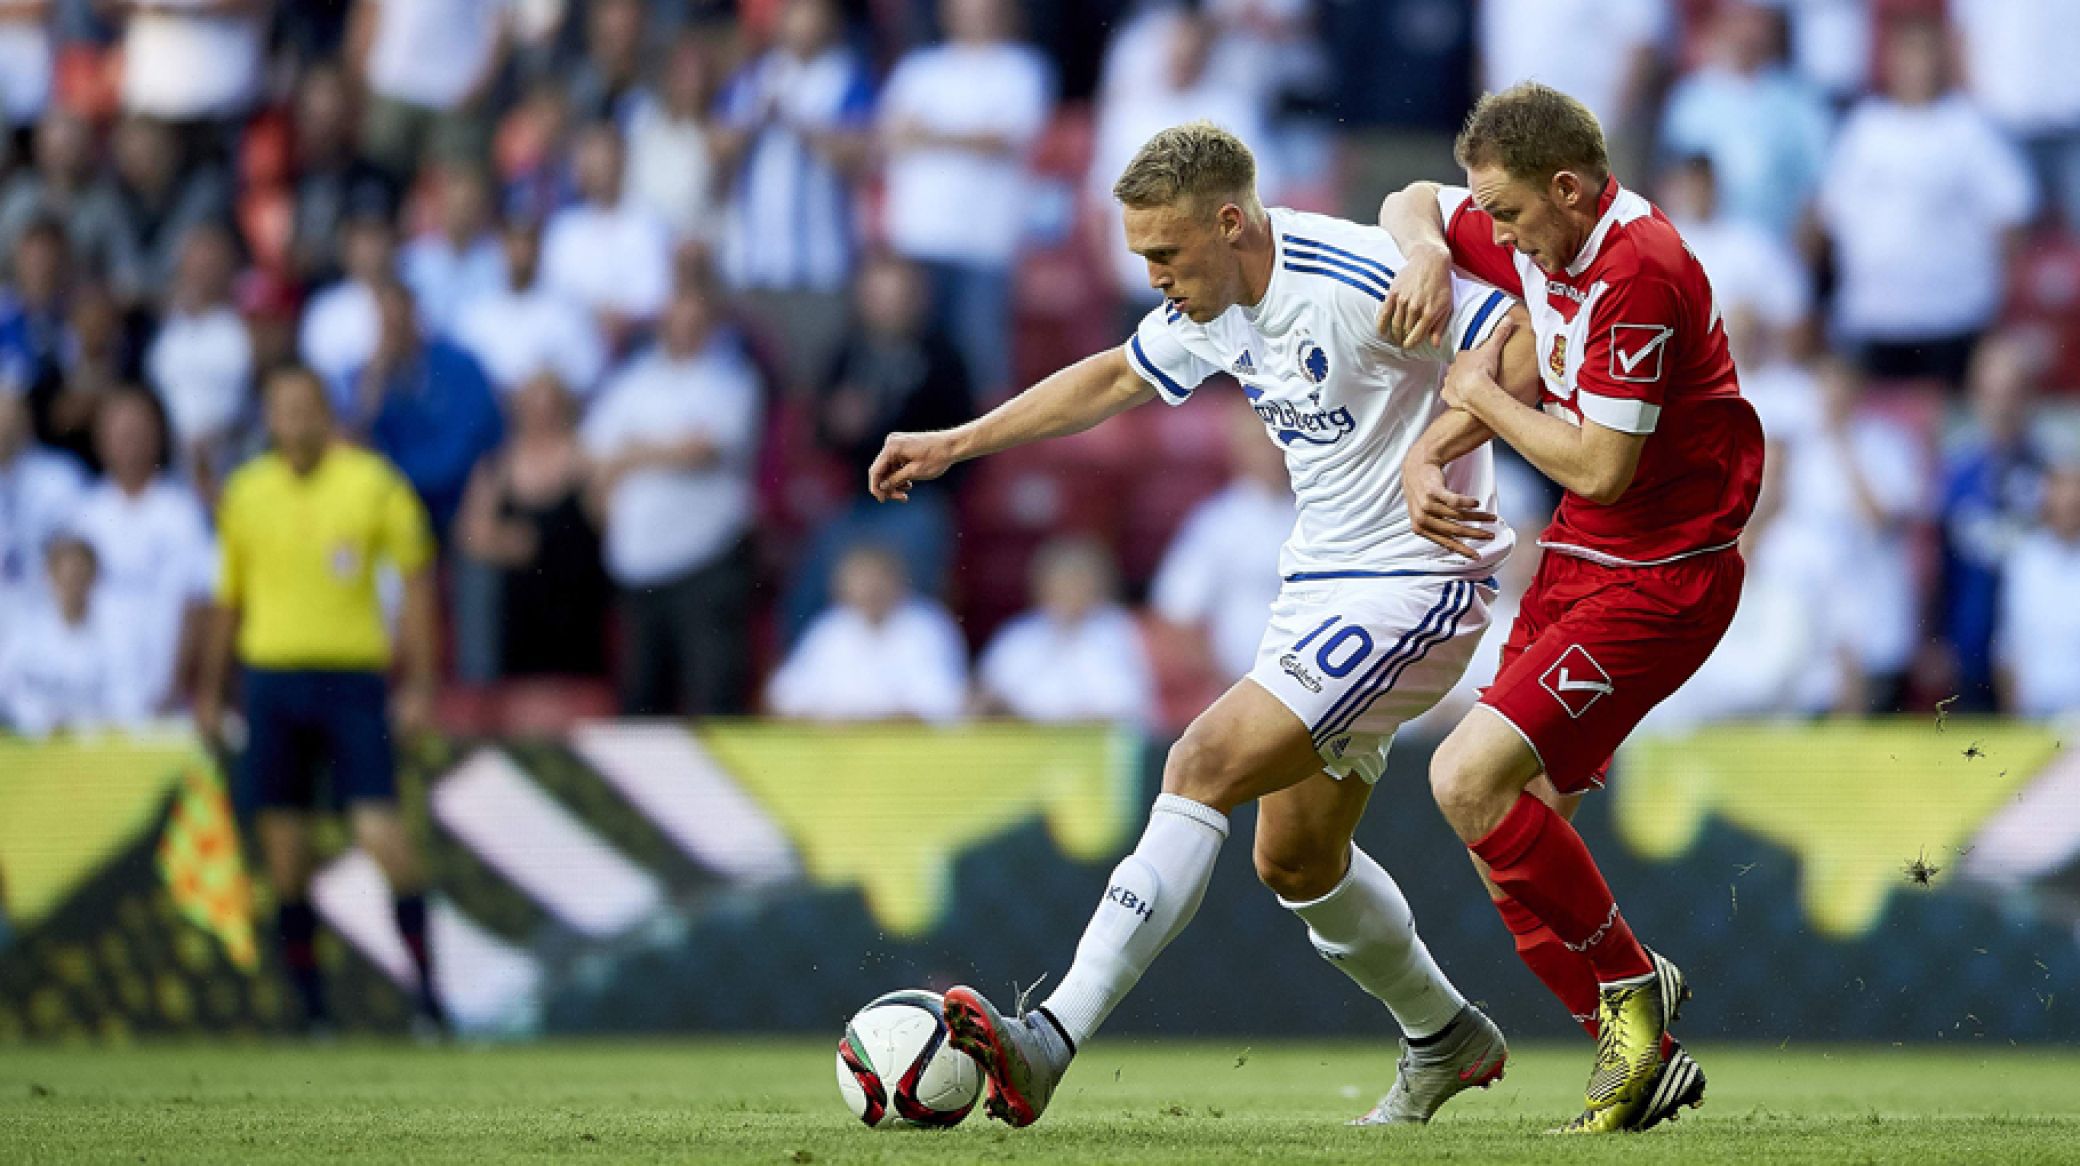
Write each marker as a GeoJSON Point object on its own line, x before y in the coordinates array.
{"type": "Point", "coordinates": [2044, 301]}
{"type": "Point", "coordinates": [88, 80]}
{"type": "Point", "coordinates": [548, 706]}
{"type": "Point", "coordinates": [1185, 680]}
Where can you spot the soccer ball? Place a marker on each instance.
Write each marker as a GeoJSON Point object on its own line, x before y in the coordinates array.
{"type": "Point", "coordinates": [895, 1066]}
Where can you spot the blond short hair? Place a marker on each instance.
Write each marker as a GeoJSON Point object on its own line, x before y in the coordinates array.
{"type": "Point", "coordinates": [1198, 162]}
{"type": "Point", "coordinates": [1533, 131]}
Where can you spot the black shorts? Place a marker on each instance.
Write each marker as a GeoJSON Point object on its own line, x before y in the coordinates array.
{"type": "Point", "coordinates": [301, 722]}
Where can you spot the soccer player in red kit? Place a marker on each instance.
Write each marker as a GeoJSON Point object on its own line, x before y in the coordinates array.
{"type": "Point", "coordinates": [1643, 423]}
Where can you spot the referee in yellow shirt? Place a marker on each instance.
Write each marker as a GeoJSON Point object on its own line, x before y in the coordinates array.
{"type": "Point", "coordinates": [301, 530]}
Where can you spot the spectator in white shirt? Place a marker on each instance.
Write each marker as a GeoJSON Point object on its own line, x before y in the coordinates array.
{"type": "Point", "coordinates": [38, 490]}
{"type": "Point", "coordinates": [2038, 644]}
{"type": "Point", "coordinates": [793, 140]}
{"type": "Point", "coordinates": [201, 361]}
{"type": "Point", "coordinates": [673, 440]}
{"type": "Point", "coordinates": [1922, 198]}
{"type": "Point", "coordinates": [957, 121]}
{"type": "Point", "coordinates": [607, 253]}
{"type": "Point", "coordinates": [340, 325]}
{"type": "Point", "coordinates": [1763, 127]}
{"type": "Point", "coordinates": [671, 159]}
{"type": "Point", "coordinates": [1605, 53]}
{"type": "Point", "coordinates": [524, 328]}
{"type": "Point", "coordinates": [428, 65]}
{"type": "Point", "coordinates": [458, 262]}
{"type": "Point", "coordinates": [25, 62]}
{"type": "Point", "coordinates": [2018, 64]}
{"type": "Point", "coordinates": [192, 60]}
{"type": "Point", "coordinates": [64, 669]}
{"type": "Point", "coordinates": [1164, 70]}
{"type": "Point", "coordinates": [1220, 574]}
{"type": "Point", "coordinates": [879, 654]}
{"type": "Point", "coordinates": [1856, 485]}
{"type": "Point", "coordinates": [153, 542]}
{"type": "Point", "coordinates": [1077, 655]}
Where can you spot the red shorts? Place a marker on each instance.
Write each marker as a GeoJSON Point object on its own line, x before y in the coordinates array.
{"type": "Point", "coordinates": [1594, 647]}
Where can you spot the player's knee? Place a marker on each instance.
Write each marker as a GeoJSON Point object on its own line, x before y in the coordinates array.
{"type": "Point", "coordinates": [1456, 781]}
{"type": "Point", "coordinates": [1298, 872]}
{"type": "Point", "coordinates": [1196, 769]}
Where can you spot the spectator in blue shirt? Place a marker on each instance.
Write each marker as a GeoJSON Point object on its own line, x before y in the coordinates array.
{"type": "Point", "coordinates": [426, 405]}
{"type": "Point", "coordinates": [794, 140]}
{"type": "Point", "coordinates": [1764, 128]}
{"type": "Point", "coordinates": [1992, 483]}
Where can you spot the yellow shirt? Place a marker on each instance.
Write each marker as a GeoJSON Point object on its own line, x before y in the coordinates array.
{"type": "Point", "coordinates": [299, 557]}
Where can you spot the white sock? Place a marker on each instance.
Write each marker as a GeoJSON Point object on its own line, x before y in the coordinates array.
{"type": "Point", "coordinates": [1365, 928]}
{"type": "Point", "coordinates": [1154, 892]}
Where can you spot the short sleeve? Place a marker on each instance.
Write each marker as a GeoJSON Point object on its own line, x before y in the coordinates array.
{"type": "Point", "coordinates": [1470, 233]}
{"type": "Point", "coordinates": [1477, 310]}
{"type": "Point", "coordinates": [406, 539]}
{"type": "Point", "coordinates": [1627, 360]}
{"type": "Point", "coordinates": [1160, 358]}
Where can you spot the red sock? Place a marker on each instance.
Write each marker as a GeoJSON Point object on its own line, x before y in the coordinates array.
{"type": "Point", "coordinates": [1564, 973]}
{"type": "Point", "coordinates": [1538, 859]}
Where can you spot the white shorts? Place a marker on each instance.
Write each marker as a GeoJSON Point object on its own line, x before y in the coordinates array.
{"type": "Point", "coordinates": [1355, 657]}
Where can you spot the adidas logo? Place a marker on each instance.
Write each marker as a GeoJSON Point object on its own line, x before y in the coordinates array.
{"type": "Point", "coordinates": [1243, 365]}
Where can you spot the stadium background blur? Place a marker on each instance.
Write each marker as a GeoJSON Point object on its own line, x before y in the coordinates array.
{"type": "Point", "coordinates": [531, 243]}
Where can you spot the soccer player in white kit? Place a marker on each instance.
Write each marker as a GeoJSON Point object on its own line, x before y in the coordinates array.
{"type": "Point", "coordinates": [1372, 626]}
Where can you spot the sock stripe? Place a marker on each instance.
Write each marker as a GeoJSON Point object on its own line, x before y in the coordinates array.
{"type": "Point", "coordinates": [1199, 812]}
{"type": "Point", "coordinates": [1055, 1024]}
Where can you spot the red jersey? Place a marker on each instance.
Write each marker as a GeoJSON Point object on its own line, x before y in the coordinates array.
{"type": "Point", "coordinates": [1629, 337]}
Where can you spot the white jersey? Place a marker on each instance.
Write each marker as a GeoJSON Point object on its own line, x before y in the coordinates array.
{"type": "Point", "coordinates": [1345, 405]}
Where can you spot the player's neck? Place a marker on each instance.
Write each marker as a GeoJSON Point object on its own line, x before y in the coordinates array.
{"type": "Point", "coordinates": [1257, 255]}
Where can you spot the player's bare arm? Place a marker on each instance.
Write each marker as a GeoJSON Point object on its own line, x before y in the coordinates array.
{"type": "Point", "coordinates": [1591, 460]}
{"type": "Point", "coordinates": [1449, 519]}
{"type": "Point", "coordinates": [1069, 401]}
{"type": "Point", "coordinates": [1418, 308]}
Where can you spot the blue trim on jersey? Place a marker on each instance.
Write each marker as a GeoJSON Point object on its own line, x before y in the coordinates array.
{"type": "Point", "coordinates": [1171, 313]}
{"type": "Point", "coordinates": [1163, 382]}
{"type": "Point", "coordinates": [1382, 678]}
{"type": "Point", "coordinates": [1370, 276]}
{"type": "Point", "coordinates": [1366, 261]}
{"type": "Point", "coordinates": [1322, 728]}
{"type": "Point", "coordinates": [1339, 277]}
{"type": "Point", "coordinates": [1480, 320]}
{"type": "Point", "coordinates": [1311, 576]}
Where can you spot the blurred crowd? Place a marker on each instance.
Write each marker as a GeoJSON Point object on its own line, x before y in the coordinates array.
{"type": "Point", "coordinates": [630, 290]}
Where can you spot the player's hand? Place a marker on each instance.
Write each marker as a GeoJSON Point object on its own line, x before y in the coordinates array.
{"type": "Point", "coordinates": [1439, 515]}
{"type": "Point", "coordinates": [1478, 369]}
{"type": "Point", "coordinates": [1418, 307]}
{"type": "Point", "coordinates": [209, 718]}
{"type": "Point", "coordinates": [411, 710]}
{"type": "Point", "coordinates": [906, 459]}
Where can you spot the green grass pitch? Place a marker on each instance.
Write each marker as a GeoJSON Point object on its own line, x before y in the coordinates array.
{"type": "Point", "coordinates": [775, 1101]}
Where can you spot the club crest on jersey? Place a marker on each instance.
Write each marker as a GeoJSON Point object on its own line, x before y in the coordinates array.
{"type": "Point", "coordinates": [1244, 365]}
{"type": "Point", "coordinates": [1577, 681]}
{"type": "Point", "coordinates": [1557, 362]}
{"type": "Point", "coordinates": [1314, 363]}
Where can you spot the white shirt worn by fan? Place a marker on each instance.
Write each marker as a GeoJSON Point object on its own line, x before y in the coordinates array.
{"type": "Point", "coordinates": [157, 557]}
{"type": "Point", "coordinates": [56, 675]}
{"type": "Point", "coordinates": [429, 52]}
{"type": "Point", "coordinates": [181, 63]}
{"type": "Point", "coordinates": [1094, 669]}
{"type": "Point", "coordinates": [910, 664]}
{"type": "Point", "coordinates": [962, 205]}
